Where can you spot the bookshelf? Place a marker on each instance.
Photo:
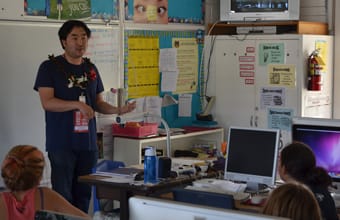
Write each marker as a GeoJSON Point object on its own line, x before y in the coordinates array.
{"type": "Point", "coordinates": [284, 27]}
{"type": "Point", "coordinates": [129, 150]}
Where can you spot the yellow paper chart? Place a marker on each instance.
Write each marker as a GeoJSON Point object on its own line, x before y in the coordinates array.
{"type": "Point", "coordinates": [143, 70]}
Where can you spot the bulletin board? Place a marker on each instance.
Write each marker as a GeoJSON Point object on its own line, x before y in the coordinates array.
{"type": "Point", "coordinates": [192, 12]}
{"type": "Point", "coordinates": [170, 113]}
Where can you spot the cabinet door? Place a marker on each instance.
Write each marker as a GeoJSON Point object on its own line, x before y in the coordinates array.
{"type": "Point", "coordinates": [289, 99]}
{"type": "Point", "coordinates": [235, 66]}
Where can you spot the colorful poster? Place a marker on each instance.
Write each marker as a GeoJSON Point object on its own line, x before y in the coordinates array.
{"type": "Point", "coordinates": [35, 7]}
{"type": "Point", "coordinates": [174, 11]}
{"type": "Point", "coordinates": [271, 53]}
{"type": "Point", "coordinates": [322, 45]}
{"type": "Point", "coordinates": [191, 12]}
{"type": "Point", "coordinates": [273, 96]}
{"type": "Point", "coordinates": [69, 9]}
{"type": "Point", "coordinates": [105, 9]}
{"type": "Point", "coordinates": [150, 11]}
{"type": "Point", "coordinates": [282, 75]}
{"type": "Point", "coordinates": [279, 118]}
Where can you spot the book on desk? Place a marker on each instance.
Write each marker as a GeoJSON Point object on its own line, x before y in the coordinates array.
{"type": "Point", "coordinates": [121, 171]}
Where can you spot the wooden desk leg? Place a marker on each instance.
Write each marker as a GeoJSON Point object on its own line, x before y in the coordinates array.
{"type": "Point", "coordinates": [124, 204]}
{"type": "Point", "coordinates": [121, 195]}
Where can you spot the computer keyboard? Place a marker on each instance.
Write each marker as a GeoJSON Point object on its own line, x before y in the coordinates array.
{"type": "Point", "coordinates": [221, 186]}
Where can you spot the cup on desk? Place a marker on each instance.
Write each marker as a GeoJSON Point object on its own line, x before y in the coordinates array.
{"type": "Point", "coordinates": [164, 167]}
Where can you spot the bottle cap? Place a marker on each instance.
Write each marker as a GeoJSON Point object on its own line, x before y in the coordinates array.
{"type": "Point", "coordinates": [150, 152]}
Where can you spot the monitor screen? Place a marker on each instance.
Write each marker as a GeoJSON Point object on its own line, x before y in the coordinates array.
{"type": "Point", "coordinates": [259, 10]}
{"type": "Point", "coordinates": [323, 137]}
{"type": "Point", "coordinates": [252, 156]}
{"type": "Point", "coordinates": [259, 6]}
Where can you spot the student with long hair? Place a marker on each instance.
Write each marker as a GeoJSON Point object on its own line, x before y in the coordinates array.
{"type": "Point", "coordinates": [22, 171]}
{"type": "Point", "coordinates": [297, 163]}
{"type": "Point", "coordinates": [294, 201]}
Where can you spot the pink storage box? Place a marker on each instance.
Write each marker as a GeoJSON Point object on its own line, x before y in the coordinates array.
{"type": "Point", "coordinates": [146, 129]}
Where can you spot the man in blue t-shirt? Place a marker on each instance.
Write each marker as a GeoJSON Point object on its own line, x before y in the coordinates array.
{"type": "Point", "coordinates": [70, 88]}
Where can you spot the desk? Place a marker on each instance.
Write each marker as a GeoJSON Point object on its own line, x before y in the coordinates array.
{"type": "Point", "coordinates": [123, 191]}
{"type": "Point", "coordinates": [241, 205]}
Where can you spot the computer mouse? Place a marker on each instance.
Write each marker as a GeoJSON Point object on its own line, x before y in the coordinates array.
{"type": "Point", "coordinates": [257, 199]}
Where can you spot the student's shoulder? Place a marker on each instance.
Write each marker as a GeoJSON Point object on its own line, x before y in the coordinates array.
{"type": "Point", "coordinates": [1, 198]}
{"type": "Point", "coordinates": [3, 207]}
{"type": "Point", "coordinates": [51, 194]}
{"type": "Point", "coordinates": [47, 190]}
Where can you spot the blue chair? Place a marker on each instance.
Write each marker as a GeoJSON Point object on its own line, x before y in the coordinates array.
{"type": "Point", "coordinates": [103, 166]}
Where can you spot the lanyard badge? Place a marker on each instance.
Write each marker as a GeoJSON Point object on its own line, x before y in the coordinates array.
{"type": "Point", "coordinates": [79, 120]}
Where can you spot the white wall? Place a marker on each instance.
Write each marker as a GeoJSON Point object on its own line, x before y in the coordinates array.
{"type": "Point", "coordinates": [24, 45]}
{"type": "Point", "coordinates": [313, 10]}
{"type": "Point", "coordinates": [23, 48]}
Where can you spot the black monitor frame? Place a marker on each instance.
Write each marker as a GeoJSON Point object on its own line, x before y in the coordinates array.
{"type": "Point", "coordinates": [252, 156]}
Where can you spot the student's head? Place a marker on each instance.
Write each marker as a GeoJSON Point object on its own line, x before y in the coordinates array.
{"type": "Point", "coordinates": [22, 168]}
{"type": "Point", "coordinates": [68, 27]}
{"type": "Point", "coordinates": [297, 162]}
{"type": "Point", "coordinates": [150, 11]}
{"type": "Point", "coordinates": [294, 201]}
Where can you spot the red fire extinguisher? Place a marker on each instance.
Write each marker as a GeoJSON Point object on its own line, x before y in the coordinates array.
{"type": "Point", "coordinates": [314, 71]}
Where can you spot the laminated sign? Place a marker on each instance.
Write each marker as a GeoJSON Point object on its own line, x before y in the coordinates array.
{"type": "Point", "coordinates": [68, 9]}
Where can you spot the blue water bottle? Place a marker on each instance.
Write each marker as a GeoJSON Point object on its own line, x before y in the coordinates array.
{"type": "Point", "coordinates": [150, 162]}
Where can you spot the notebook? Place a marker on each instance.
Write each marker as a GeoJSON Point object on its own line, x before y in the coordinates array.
{"type": "Point", "coordinates": [121, 171]}
{"type": "Point", "coordinates": [51, 215]}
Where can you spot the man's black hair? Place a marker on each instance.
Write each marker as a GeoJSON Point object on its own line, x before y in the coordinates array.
{"type": "Point", "coordinates": [68, 26]}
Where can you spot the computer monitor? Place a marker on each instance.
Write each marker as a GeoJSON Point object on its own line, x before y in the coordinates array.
{"type": "Point", "coordinates": [252, 156]}
{"type": "Point", "coordinates": [147, 208]}
{"type": "Point", "coordinates": [323, 137]}
{"type": "Point", "coordinates": [259, 10]}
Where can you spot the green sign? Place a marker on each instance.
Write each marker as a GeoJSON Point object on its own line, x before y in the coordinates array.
{"type": "Point", "coordinates": [69, 9]}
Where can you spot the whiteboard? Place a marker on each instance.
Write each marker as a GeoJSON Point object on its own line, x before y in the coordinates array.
{"type": "Point", "coordinates": [23, 47]}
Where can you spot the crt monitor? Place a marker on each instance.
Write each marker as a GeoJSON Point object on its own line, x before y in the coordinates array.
{"type": "Point", "coordinates": [259, 10]}
{"type": "Point", "coordinates": [323, 137]}
{"type": "Point", "coordinates": [252, 156]}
